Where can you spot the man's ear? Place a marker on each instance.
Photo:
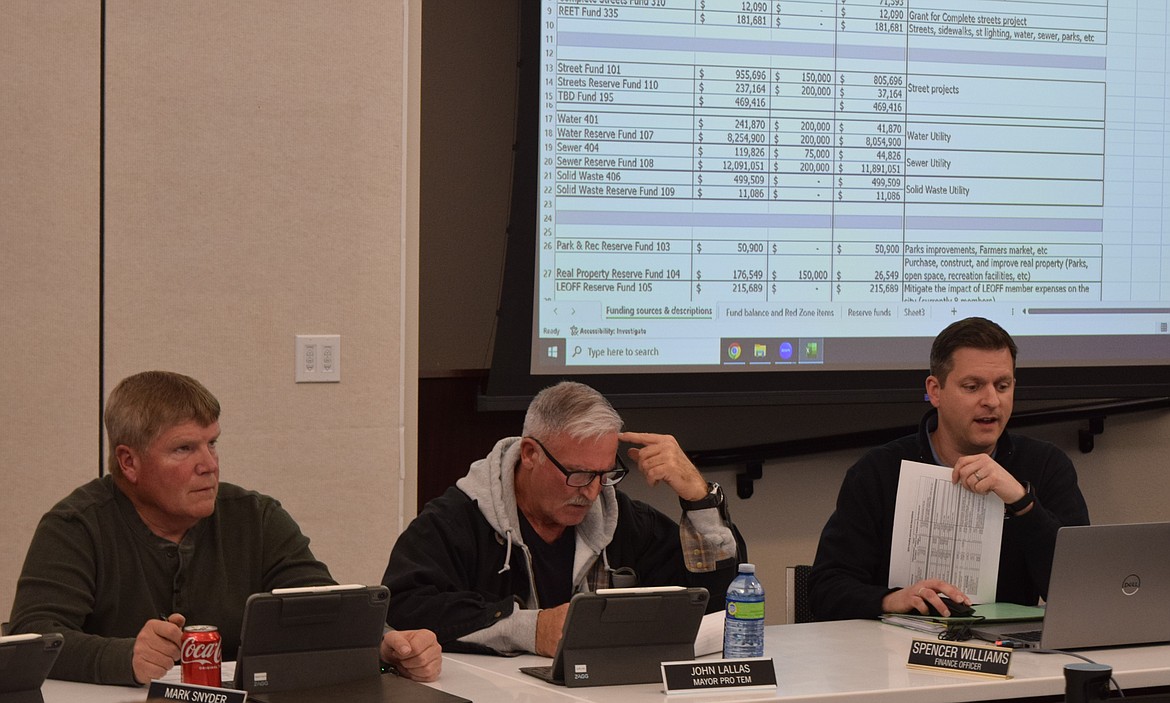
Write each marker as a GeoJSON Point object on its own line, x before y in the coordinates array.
{"type": "Point", "coordinates": [128, 462]}
{"type": "Point", "coordinates": [527, 452]}
{"type": "Point", "coordinates": [933, 385]}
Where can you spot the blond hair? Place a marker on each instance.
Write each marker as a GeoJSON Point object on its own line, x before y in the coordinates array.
{"type": "Point", "coordinates": [145, 404]}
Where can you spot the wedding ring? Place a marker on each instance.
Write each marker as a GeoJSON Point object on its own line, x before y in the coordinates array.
{"type": "Point", "coordinates": [978, 477]}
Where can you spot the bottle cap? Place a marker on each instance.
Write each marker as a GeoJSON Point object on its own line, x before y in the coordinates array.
{"type": "Point", "coordinates": [746, 568]}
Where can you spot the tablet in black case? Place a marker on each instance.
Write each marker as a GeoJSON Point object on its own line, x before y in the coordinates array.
{"type": "Point", "coordinates": [622, 635]}
{"type": "Point", "coordinates": [25, 661]}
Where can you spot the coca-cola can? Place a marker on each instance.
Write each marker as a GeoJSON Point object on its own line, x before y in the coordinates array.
{"type": "Point", "coordinates": [201, 655]}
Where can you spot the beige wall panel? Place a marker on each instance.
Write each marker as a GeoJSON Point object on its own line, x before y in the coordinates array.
{"type": "Point", "coordinates": [1124, 477]}
{"type": "Point", "coordinates": [411, 187]}
{"type": "Point", "coordinates": [254, 192]}
{"type": "Point", "coordinates": [49, 242]}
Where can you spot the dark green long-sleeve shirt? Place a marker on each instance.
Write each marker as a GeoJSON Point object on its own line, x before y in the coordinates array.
{"type": "Point", "coordinates": [95, 573]}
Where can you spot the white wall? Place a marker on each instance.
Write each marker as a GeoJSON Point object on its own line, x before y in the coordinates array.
{"type": "Point", "coordinates": [49, 107]}
{"type": "Point", "coordinates": [260, 182]}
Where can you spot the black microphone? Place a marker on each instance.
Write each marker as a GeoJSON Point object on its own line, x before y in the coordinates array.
{"type": "Point", "coordinates": [1086, 683]}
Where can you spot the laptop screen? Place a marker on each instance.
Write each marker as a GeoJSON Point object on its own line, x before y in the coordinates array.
{"type": "Point", "coordinates": [1109, 586]}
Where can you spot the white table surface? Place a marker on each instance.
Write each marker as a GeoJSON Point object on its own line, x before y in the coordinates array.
{"type": "Point", "coordinates": [854, 660]}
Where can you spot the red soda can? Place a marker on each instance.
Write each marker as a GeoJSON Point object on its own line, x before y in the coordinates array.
{"type": "Point", "coordinates": [201, 655]}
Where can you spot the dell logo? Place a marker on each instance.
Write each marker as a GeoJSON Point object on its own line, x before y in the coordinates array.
{"type": "Point", "coordinates": [1130, 584]}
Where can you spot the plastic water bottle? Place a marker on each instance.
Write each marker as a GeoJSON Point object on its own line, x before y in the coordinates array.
{"type": "Point", "coordinates": [743, 629]}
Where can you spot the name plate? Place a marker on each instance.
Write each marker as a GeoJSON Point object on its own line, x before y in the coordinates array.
{"type": "Point", "coordinates": [960, 657]}
{"type": "Point", "coordinates": [712, 674]}
{"type": "Point", "coordinates": [191, 693]}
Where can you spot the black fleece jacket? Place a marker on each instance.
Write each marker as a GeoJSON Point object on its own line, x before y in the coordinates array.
{"type": "Point", "coordinates": [445, 571]}
{"type": "Point", "coordinates": [850, 573]}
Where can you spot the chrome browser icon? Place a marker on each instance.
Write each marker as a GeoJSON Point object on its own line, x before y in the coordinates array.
{"type": "Point", "coordinates": [734, 350]}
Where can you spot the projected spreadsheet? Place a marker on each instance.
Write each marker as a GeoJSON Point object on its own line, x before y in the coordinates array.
{"type": "Point", "coordinates": [722, 170]}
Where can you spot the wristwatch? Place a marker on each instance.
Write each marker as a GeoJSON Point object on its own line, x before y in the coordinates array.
{"type": "Point", "coordinates": [713, 499]}
{"type": "Point", "coordinates": [1014, 509]}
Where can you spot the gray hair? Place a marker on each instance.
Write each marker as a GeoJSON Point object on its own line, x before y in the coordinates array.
{"type": "Point", "coordinates": [572, 409]}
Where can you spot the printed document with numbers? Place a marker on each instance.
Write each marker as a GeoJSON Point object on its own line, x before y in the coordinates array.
{"type": "Point", "coordinates": [944, 531]}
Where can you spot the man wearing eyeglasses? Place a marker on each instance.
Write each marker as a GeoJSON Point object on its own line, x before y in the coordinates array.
{"type": "Point", "coordinates": [491, 564]}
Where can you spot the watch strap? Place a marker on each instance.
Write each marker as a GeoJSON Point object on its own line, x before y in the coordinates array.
{"type": "Point", "coordinates": [1014, 509]}
{"type": "Point", "coordinates": [713, 499]}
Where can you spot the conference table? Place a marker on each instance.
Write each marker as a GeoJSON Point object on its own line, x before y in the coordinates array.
{"type": "Point", "coordinates": [853, 660]}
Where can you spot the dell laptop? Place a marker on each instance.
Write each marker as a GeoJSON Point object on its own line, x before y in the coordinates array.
{"type": "Point", "coordinates": [1110, 586]}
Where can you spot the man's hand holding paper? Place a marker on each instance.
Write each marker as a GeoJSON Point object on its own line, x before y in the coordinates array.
{"type": "Point", "coordinates": [946, 536]}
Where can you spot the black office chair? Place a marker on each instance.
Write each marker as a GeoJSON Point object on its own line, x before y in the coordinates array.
{"type": "Point", "coordinates": [796, 594]}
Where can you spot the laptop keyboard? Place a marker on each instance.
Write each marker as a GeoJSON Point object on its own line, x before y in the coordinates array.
{"type": "Point", "coordinates": [1027, 635]}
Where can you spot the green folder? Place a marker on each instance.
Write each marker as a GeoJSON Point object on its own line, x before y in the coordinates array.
{"type": "Point", "coordinates": [1008, 612]}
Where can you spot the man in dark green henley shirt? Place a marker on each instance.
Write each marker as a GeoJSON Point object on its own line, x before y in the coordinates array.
{"type": "Point", "coordinates": [124, 561]}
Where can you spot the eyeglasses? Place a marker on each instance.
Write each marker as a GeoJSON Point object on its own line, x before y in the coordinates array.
{"type": "Point", "coordinates": [580, 479]}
